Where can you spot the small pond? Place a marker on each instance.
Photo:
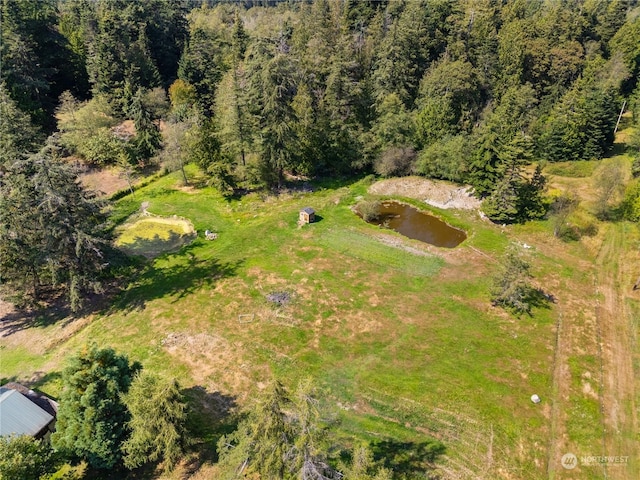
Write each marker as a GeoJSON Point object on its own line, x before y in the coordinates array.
{"type": "Point", "coordinates": [418, 225]}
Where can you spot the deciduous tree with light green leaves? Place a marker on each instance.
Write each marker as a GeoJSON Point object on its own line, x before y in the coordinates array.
{"type": "Point", "coordinates": [25, 458]}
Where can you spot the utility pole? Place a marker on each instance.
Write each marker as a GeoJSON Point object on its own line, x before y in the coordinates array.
{"type": "Point", "coordinates": [624, 104]}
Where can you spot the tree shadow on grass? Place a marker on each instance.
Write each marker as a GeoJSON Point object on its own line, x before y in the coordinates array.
{"type": "Point", "coordinates": [38, 379]}
{"type": "Point", "coordinates": [23, 318]}
{"type": "Point", "coordinates": [155, 246]}
{"type": "Point", "coordinates": [41, 378]}
{"type": "Point", "coordinates": [538, 298]}
{"type": "Point", "coordinates": [177, 281]}
{"type": "Point", "coordinates": [408, 459]}
{"type": "Point", "coordinates": [210, 415]}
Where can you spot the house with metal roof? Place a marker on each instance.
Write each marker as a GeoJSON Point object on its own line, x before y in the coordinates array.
{"type": "Point", "coordinates": [21, 416]}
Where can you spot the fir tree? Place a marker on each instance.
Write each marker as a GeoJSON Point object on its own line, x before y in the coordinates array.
{"type": "Point", "coordinates": [157, 422]}
{"type": "Point", "coordinates": [148, 139]}
{"type": "Point", "coordinates": [51, 229]}
{"type": "Point", "coordinates": [92, 419]}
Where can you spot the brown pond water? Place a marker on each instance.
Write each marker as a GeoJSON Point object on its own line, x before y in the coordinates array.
{"type": "Point", "coordinates": [418, 225]}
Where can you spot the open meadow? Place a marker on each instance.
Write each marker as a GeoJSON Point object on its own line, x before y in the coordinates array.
{"type": "Point", "coordinates": [399, 337]}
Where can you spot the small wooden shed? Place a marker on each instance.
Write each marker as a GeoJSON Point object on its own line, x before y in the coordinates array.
{"type": "Point", "coordinates": [307, 215]}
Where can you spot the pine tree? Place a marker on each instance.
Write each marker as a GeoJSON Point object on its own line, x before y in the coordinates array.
{"type": "Point", "coordinates": [581, 124]}
{"type": "Point", "coordinates": [203, 148]}
{"type": "Point", "coordinates": [510, 120]}
{"type": "Point", "coordinates": [363, 467]}
{"type": "Point", "coordinates": [515, 199]}
{"type": "Point", "coordinates": [344, 108]}
{"type": "Point", "coordinates": [502, 205]}
{"type": "Point", "coordinates": [512, 288]}
{"type": "Point", "coordinates": [36, 60]}
{"type": "Point", "coordinates": [120, 52]}
{"type": "Point", "coordinates": [157, 422]}
{"type": "Point", "coordinates": [626, 42]}
{"type": "Point", "coordinates": [148, 139]}
{"type": "Point", "coordinates": [261, 442]}
{"type": "Point", "coordinates": [448, 100]}
{"type": "Point", "coordinates": [531, 202]}
{"type": "Point", "coordinates": [309, 157]}
{"type": "Point", "coordinates": [280, 439]}
{"type": "Point", "coordinates": [167, 32]}
{"type": "Point", "coordinates": [278, 140]}
{"type": "Point", "coordinates": [412, 39]}
{"type": "Point", "coordinates": [202, 64]}
{"type": "Point", "coordinates": [18, 137]}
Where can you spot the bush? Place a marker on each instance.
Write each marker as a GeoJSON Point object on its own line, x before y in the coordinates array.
{"type": "Point", "coordinates": [183, 97]}
{"type": "Point", "coordinates": [25, 457]}
{"type": "Point", "coordinates": [369, 210]}
{"type": "Point", "coordinates": [155, 101]}
{"type": "Point", "coordinates": [395, 161]}
{"type": "Point", "coordinates": [631, 202]}
{"type": "Point", "coordinates": [79, 122]}
{"type": "Point", "coordinates": [102, 148]}
{"type": "Point", "coordinates": [446, 159]}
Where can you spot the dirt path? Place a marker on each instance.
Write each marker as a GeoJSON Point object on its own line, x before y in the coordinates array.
{"type": "Point", "coordinates": [597, 327]}
{"type": "Point", "coordinates": [613, 284]}
{"type": "Point", "coordinates": [557, 444]}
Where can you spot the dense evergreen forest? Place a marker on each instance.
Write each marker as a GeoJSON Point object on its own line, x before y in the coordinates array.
{"type": "Point", "coordinates": [256, 93]}
{"type": "Point", "coordinates": [467, 91]}
{"type": "Point", "coordinates": [472, 91]}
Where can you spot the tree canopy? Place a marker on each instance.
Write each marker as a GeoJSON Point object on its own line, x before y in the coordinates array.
{"type": "Point", "coordinates": [472, 91]}
{"type": "Point", "coordinates": [92, 421]}
{"type": "Point", "coordinates": [158, 416]}
{"type": "Point", "coordinates": [52, 231]}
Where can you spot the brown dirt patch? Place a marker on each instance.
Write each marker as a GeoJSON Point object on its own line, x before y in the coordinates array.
{"type": "Point", "coordinates": [214, 362]}
{"type": "Point", "coordinates": [5, 309]}
{"type": "Point", "coordinates": [104, 181]}
{"type": "Point", "coordinates": [125, 130]}
{"type": "Point", "coordinates": [437, 193]}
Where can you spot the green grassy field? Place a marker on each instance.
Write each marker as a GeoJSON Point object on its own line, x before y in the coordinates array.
{"type": "Point", "coordinates": [399, 337]}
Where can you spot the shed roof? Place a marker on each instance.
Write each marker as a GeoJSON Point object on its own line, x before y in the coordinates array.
{"type": "Point", "coordinates": [19, 415]}
{"type": "Point", "coordinates": [308, 210]}
{"type": "Point", "coordinates": [41, 400]}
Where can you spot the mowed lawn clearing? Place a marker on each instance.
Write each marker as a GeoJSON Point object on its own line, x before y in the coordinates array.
{"type": "Point", "coordinates": [151, 236]}
{"type": "Point", "coordinates": [400, 337]}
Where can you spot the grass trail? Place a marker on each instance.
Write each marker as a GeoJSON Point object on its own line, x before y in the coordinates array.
{"type": "Point", "coordinates": [614, 277]}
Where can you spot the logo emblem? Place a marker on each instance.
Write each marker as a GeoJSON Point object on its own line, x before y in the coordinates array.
{"type": "Point", "coordinates": [569, 461]}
